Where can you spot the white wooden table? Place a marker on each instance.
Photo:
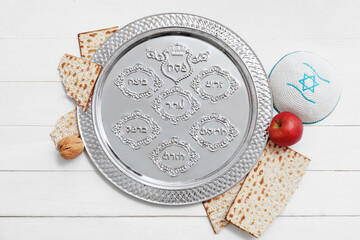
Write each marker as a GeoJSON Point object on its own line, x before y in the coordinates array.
{"type": "Point", "coordinates": [45, 197]}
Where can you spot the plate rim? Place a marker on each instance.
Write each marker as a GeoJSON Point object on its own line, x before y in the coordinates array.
{"type": "Point", "coordinates": [240, 167]}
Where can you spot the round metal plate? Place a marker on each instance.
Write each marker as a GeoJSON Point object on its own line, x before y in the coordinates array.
{"type": "Point", "coordinates": [180, 111]}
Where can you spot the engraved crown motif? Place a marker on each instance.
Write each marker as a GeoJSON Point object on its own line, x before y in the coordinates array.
{"type": "Point", "coordinates": [177, 49]}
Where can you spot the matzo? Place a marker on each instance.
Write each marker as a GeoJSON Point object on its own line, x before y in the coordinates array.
{"type": "Point", "coordinates": [267, 189]}
{"type": "Point", "coordinates": [89, 42]}
{"type": "Point", "coordinates": [218, 207]}
{"type": "Point", "coordinates": [79, 77]}
{"type": "Point", "coordinates": [65, 126]}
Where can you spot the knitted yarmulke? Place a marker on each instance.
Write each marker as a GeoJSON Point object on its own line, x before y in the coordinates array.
{"type": "Point", "coordinates": [305, 84]}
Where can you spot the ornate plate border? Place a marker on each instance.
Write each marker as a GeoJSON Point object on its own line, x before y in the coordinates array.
{"type": "Point", "coordinates": [240, 167]}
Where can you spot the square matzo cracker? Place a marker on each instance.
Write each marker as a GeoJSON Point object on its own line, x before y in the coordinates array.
{"type": "Point", "coordinates": [89, 42]}
{"type": "Point", "coordinates": [65, 126]}
{"type": "Point", "coordinates": [79, 77]}
{"type": "Point", "coordinates": [267, 189]}
{"type": "Point", "coordinates": [218, 207]}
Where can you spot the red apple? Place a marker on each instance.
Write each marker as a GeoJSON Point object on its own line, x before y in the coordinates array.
{"type": "Point", "coordinates": [285, 129]}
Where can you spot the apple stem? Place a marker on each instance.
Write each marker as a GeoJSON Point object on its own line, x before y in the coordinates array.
{"type": "Point", "coordinates": [279, 124]}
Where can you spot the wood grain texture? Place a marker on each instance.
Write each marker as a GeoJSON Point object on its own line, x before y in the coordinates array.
{"type": "Point", "coordinates": [49, 51]}
{"type": "Point", "coordinates": [164, 228]}
{"type": "Point", "coordinates": [270, 19]}
{"type": "Point", "coordinates": [35, 181]}
{"type": "Point", "coordinates": [42, 103]}
{"type": "Point", "coordinates": [34, 59]}
{"type": "Point", "coordinates": [89, 194]}
{"type": "Point", "coordinates": [36, 103]}
{"type": "Point", "coordinates": [38, 152]}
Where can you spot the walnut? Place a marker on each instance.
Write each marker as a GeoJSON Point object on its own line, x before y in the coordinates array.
{"type": "Point", "coordinates": [70, 147]}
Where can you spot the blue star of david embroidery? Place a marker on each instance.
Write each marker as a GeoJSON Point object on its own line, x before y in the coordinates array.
{"type": "Point", "coordinates": [308, 83]}
{"type": "Point", "coordinates": [311, 79]}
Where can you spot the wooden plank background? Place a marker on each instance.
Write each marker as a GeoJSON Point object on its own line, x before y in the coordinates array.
{"type": "Point", "coordinates": [43, 195]}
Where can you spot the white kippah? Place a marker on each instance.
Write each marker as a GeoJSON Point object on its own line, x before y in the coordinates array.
{"type": "Point", "coordinates": [305, 84]}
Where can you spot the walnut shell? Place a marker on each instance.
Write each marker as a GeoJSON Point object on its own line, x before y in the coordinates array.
{"type": "Point", "coordinates": [70, 147]}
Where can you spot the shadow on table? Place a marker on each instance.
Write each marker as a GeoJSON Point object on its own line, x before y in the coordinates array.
{"type": "Point", "coordinates": [238, 232]}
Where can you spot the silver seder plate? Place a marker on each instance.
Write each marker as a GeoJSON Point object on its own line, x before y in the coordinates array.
{"type": "Point", "coordinates": [180, 111]}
